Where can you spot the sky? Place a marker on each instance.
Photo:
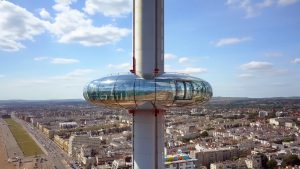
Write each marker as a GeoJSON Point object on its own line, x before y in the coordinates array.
{"type": "Point", "coordinates": [243, 48]}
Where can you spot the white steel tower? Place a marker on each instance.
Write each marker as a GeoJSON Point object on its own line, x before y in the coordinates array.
{"type": "Point", "coordinates": [148, 90]}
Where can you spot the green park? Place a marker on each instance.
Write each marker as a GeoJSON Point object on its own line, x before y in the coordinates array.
{"type": "Point", "coordinates": [23, 139]}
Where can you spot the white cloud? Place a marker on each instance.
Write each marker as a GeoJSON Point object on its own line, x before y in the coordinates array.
{"type": "Point", "coordinates": [262, 70]}
{"type": "Point", "coordinates": [75, 74]}
{"type": "Point", "coordinates": [278, 72]}
{"type": "Point", "coordinates": [63, 5]}
{"type": "Point", "coordinates": [231, 41]}
{"type": "Point", "coordinates": [168, 68]}
{"type": "Point", "coordinates": [68, 20]}
{"type": "Point", "coordinates": [64, 86]}
{"type": "Point", "coordinates": [265, 3]}
{"type": "Point", "coordinates": [169, 56]}
{"type": "Point", "coordinates": [63, 61]}
{"type": "Point", "coordinates": [286, 2]}
{"type": "Point", "coordinates": [273, 54]}
{"type": "Point", "coordinates": [192, 70]}
{"type": "Point", "coordinates": [120, 50]}
{"type": "Point", "coordinates": [183, 60]}
{"type": "Point", "coordinates": [279, 84]}
{"type": "Point", "coordinates": [111, 8]}
{"type": "Point", "coordinates": [246, 75]}
{"type": "Point", "coordinates": [73, 26]}
{"type": "Point", "coordinates": [17, 25]}
{"type": "Point", "coordinates": [69, 26]}
{"type": "Point", "coordinates": [244, 5]}
{"type": "Point", "coordinates": [119, 66]}
{"type": "Point", "coordinates": [44, 14]}
{"type": "Point", "coordinates": [32, 82]}
{"type": "Point", "coordinates": [10, 45]}
{"type": "Point", "coordinates": [256, 66]}
{"type": "Point", "coordinates": [40, 58]}
{"type": "Point", "coordinates": [253, 8]}
{"type": "Point", "coordinates": [296, 61]}
{"type": "Point", "coordinates": [95, 36]}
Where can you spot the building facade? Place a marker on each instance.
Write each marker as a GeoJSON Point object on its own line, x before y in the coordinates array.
{"type": "Point", "coordinates": [208, 156]}
{"type": "Point", "coordinates": [77, 140]}
{"type": "Point", "coordinates": [180, 161]}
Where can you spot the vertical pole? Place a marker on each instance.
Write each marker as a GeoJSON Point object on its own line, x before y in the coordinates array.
{"type": "Point", "coordinates": [148, 38]}
{"type": "Point", "coordinates": [133, 70]}
{"type": "Point", "coordinates": [156, 138]}
{"type": "Point", "coordinates": [132, 137]}
{"type": "Point", "coordinates": [148, 139]}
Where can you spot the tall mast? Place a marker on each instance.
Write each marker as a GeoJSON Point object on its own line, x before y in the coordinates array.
{"type": "Point", "coordinates": [152, 90]}
{"type": "Point", "coordinates": [148, 38]}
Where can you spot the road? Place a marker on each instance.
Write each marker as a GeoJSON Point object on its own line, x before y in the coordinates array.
{"type": "Point", "coordinates": [3, 151]}
{"type": "Point", "coordinates": [59, 158]}
{"type": "Point", "coordinates": [10, 142]}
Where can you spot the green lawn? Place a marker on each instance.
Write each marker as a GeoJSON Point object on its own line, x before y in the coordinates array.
{"type": "Point", "coordinates": [25, 142]}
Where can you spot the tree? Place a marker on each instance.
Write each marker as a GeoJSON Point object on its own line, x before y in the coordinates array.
{"type": "Point", "coordinates": [271, 164]}
{"type": "Point", "coordinates": [290, 160]}
{"type": "Point", "coordinates": [264, 160]}
{"type": "Point", "coordinates": [204, 134]}
{"type": "Point", "coordinates": [288, 139]}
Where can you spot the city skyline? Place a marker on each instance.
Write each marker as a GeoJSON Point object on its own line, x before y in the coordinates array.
{"type": "Point", "coordinates": [49, 50]}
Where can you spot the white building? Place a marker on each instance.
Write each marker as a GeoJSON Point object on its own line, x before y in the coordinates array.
{"type": "Point", "coordinates": [263, 114]}
{"type": "Point", "coordinates": [67, 125]}
{"type": "Point", "coordinates": [76, 142]}
{"type": "Point", "coordinates": [253, 162]}
{"type": "Point", "coordinates": [207, 156]}
{"type": "Point", "coordinates": [84, 157]}
{"type": "Point", "coordinates": [281, 114]}
{"type": "Point", "coordinates": [281, 121]}
{"type": "Point", "coordinates": [179, 161]}
{"type": "Point", "coordinates": [239, 164]}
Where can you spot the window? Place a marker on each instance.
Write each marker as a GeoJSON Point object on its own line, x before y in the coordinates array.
{"type": "Point", "coordinates": [184, 90]}
{"type": "Point", "coordinates": [189, 90]}
{"type": "Point", "coordinates": [180, 90]}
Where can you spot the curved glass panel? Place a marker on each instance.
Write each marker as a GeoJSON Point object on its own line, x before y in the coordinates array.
{"type": "Point", "coordinates": [124, 91]}
{"type": "Point", "coordinates": [188, 90]}
{"type": "Point", "coordinates": [92, 92]}
{"type": "Point", "coordinates": [130, 91]}
{"type": "Point", "coordinates": [180, 90]}
{"type": "Point", "coordinates": [165, 92]}
{"type": "Point", "coordinates": [145, 90]}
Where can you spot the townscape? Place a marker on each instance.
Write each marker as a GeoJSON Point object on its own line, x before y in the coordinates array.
{"type": "Point", "coordinates": [224, 133]}
{"type": "Point", "coordinates": [149, 84]}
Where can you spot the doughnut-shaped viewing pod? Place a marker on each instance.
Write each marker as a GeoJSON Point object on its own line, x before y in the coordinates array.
{"type": "Point", "coordinates": [129, 91]}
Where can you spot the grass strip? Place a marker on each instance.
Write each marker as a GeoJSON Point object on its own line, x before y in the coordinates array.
{"type": "Point", "coordinates": [28, 146]}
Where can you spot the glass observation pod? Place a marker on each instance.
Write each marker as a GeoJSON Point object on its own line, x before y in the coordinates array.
{"type": "Point", "coordinates": [167, 90]}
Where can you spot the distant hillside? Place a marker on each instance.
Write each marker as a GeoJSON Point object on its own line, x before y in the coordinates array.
{"type": "Point", "coordinates": [214, 100]}
{"type": "Point", "coordinates": [242, 102]}
{"type": "Point", "coordinates": [42, 102]}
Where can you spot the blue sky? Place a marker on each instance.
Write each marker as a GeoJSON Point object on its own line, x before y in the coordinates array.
{"type": "Point", "coordinates": [244, 48]}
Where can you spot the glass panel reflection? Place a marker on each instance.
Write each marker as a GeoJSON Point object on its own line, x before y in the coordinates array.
{"type": "Point", "coordinates": [189, 92]}
{"type": "Point", "coordinates": [145, 90]}
{"type": "Point", "coordinates": [167, 90]}
{"type": "Point", "coordinates": [124, 91]}
{"type": "Point", "coordinates": [180, 90]}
